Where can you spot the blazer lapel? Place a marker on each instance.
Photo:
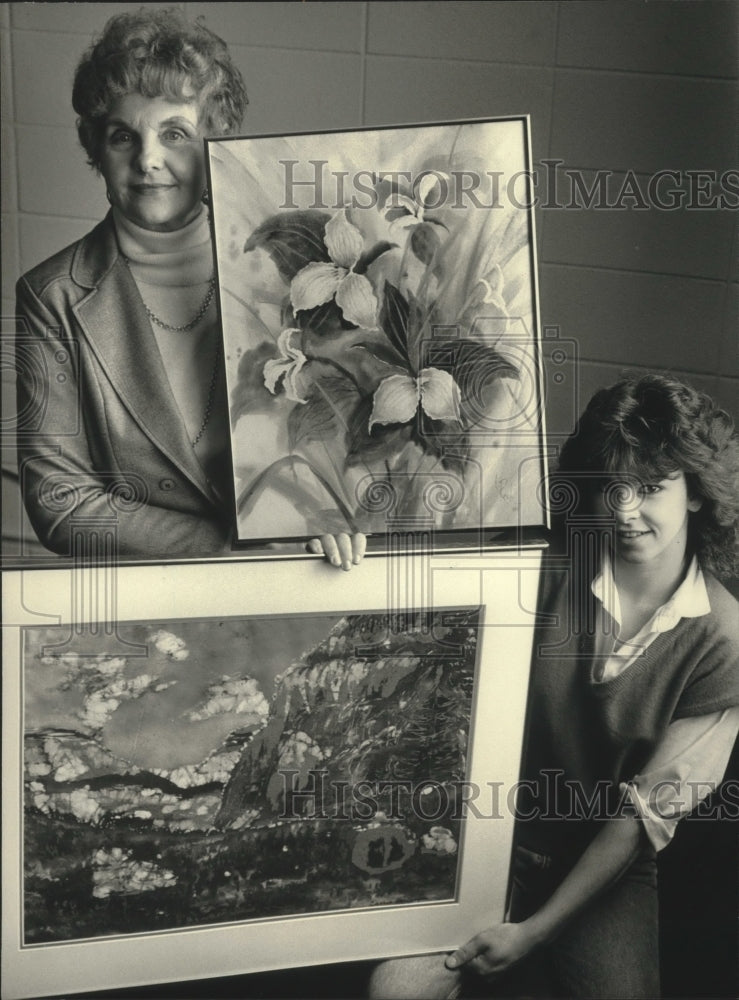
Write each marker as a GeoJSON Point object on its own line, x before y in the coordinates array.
{"type": "Point", "coordinates": [117, 328]}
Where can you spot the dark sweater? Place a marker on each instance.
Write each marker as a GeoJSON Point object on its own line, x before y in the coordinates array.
{"type": "Point", "coordinates": [585, 737]}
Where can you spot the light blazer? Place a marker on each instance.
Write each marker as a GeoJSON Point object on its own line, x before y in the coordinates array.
{"type": "Point", "coordinates": [99, 431]}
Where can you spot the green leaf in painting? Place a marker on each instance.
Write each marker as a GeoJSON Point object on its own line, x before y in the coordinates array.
{"type": "Point", "coordinates": [365, 447]}
{"type": "Point", "coordinates": [394, 317]}
{"type": "Point", "coordinates": [326, 415]}
{"type": "Point", "coordinates": [447, 439]}
{"type": "Point", "coordinates": [425, 242]}
{"type": "Point", "coordinates": [250, 394]}
{"type": "Point", "coordinates": [326, 320]}
{"type": "Point", "coordinates": [371, 256]}
{"type": "Point", "coordinates": [293, 240]}
{"type": "Point", "coordinates": [383, 352]}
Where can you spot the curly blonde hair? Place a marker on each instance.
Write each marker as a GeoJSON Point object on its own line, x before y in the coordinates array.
{"type": "Point", "coordinates": [156, 53]}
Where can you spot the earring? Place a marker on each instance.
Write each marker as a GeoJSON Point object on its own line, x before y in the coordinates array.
{"type": "Point", "coordinates": [107, 195]}
{"type": "Point", "coordinates": [206, 197]}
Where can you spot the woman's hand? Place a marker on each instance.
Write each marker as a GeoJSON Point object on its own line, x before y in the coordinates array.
{"type": "Point", "coordinates": [341, 550]}
{"type": "Point", "coordinates": [613, 849]}
{"type": "Point", "coordinates": [494, 950]}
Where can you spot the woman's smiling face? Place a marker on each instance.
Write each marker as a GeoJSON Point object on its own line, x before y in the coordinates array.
{"type": "Point", "coordinates": [153, 162]}
{"type": "Point", "coordinates": [651, 517]}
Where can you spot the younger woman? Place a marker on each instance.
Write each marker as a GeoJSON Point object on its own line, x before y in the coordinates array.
{"type": "Point", "coordinates": [633, 701]}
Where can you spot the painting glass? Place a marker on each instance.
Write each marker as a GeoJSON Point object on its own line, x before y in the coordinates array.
{"type": "Point", "coordinates": [378, 300]}
{"type": "Point", "coordinates": [243, 768]}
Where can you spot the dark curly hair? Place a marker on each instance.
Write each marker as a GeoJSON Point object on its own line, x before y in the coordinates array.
{"type": "Point", "coordinates": [651, 427]}
{"type": "Point", "coordinates": [156, 53]}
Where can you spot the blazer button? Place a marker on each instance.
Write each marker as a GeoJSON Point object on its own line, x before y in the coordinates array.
{"type": "Point", "coordinates": [167, 484]}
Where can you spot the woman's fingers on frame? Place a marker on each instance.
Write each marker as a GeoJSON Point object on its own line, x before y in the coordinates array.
{"type": "Point", "coordinates": [342, 550]}
{"type": "Point", "coordinates": [359, 547]}
{"type": "Point", "coordinates": [466, 953]}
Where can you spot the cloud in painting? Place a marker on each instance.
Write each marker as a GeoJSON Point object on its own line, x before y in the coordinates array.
{"type": "Point", "coordinates": [85, 671]}
{"type": "Point", "coordinates": [234, 696]}
{"type": "Point", "coordinates": [169, 644]}
{"type": "Point", "coordinates": [104, 682]}
{"type": "Point", "coordinates": [100, 705]}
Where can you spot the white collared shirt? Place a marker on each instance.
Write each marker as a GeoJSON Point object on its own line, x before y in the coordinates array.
{"type": "Point", "coordinates": [692, 757]}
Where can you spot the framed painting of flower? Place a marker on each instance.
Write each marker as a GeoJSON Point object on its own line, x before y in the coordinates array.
{"type": "Point", "coordinates": [378, 300]}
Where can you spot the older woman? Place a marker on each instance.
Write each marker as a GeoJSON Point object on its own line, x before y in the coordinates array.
{"type": "Point", "coordinates": [131, 424]}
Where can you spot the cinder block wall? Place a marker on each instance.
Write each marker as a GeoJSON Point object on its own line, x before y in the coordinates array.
{"type": "Point", "coordinates": [614, 85]}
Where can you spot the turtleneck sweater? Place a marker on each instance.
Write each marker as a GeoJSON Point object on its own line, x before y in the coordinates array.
{"type": "Point", "coordinates": [172, 271]}
{"type": "Point", "coordinates": [176, 260]}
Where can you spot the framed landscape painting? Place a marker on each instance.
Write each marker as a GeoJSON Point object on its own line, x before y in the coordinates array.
{"type": "Point", "coordinates": [378, 299]}
{"type": "Point", "coordinates": [232, 775]}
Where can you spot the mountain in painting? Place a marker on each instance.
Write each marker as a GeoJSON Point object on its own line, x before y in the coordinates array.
{"type": "Point", "coordinates": [340, 795]}
{"type": "Point", "coordinates": [375, 708]}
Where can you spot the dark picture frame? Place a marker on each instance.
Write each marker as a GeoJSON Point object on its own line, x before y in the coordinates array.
{"type": "Point", "coordinates": [379, 306]}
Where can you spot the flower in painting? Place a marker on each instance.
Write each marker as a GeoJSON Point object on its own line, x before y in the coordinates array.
{"type": "Point", "coordinates": [287, 367]}
{"type": "Point", "coordinates": [319, 282]}
{"type": "Point", "coordinates": [492, 289]}
{"type": "Point", "coordinates": [413, 210]}
{"type": "Point", "coordinates": [398, 397]}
